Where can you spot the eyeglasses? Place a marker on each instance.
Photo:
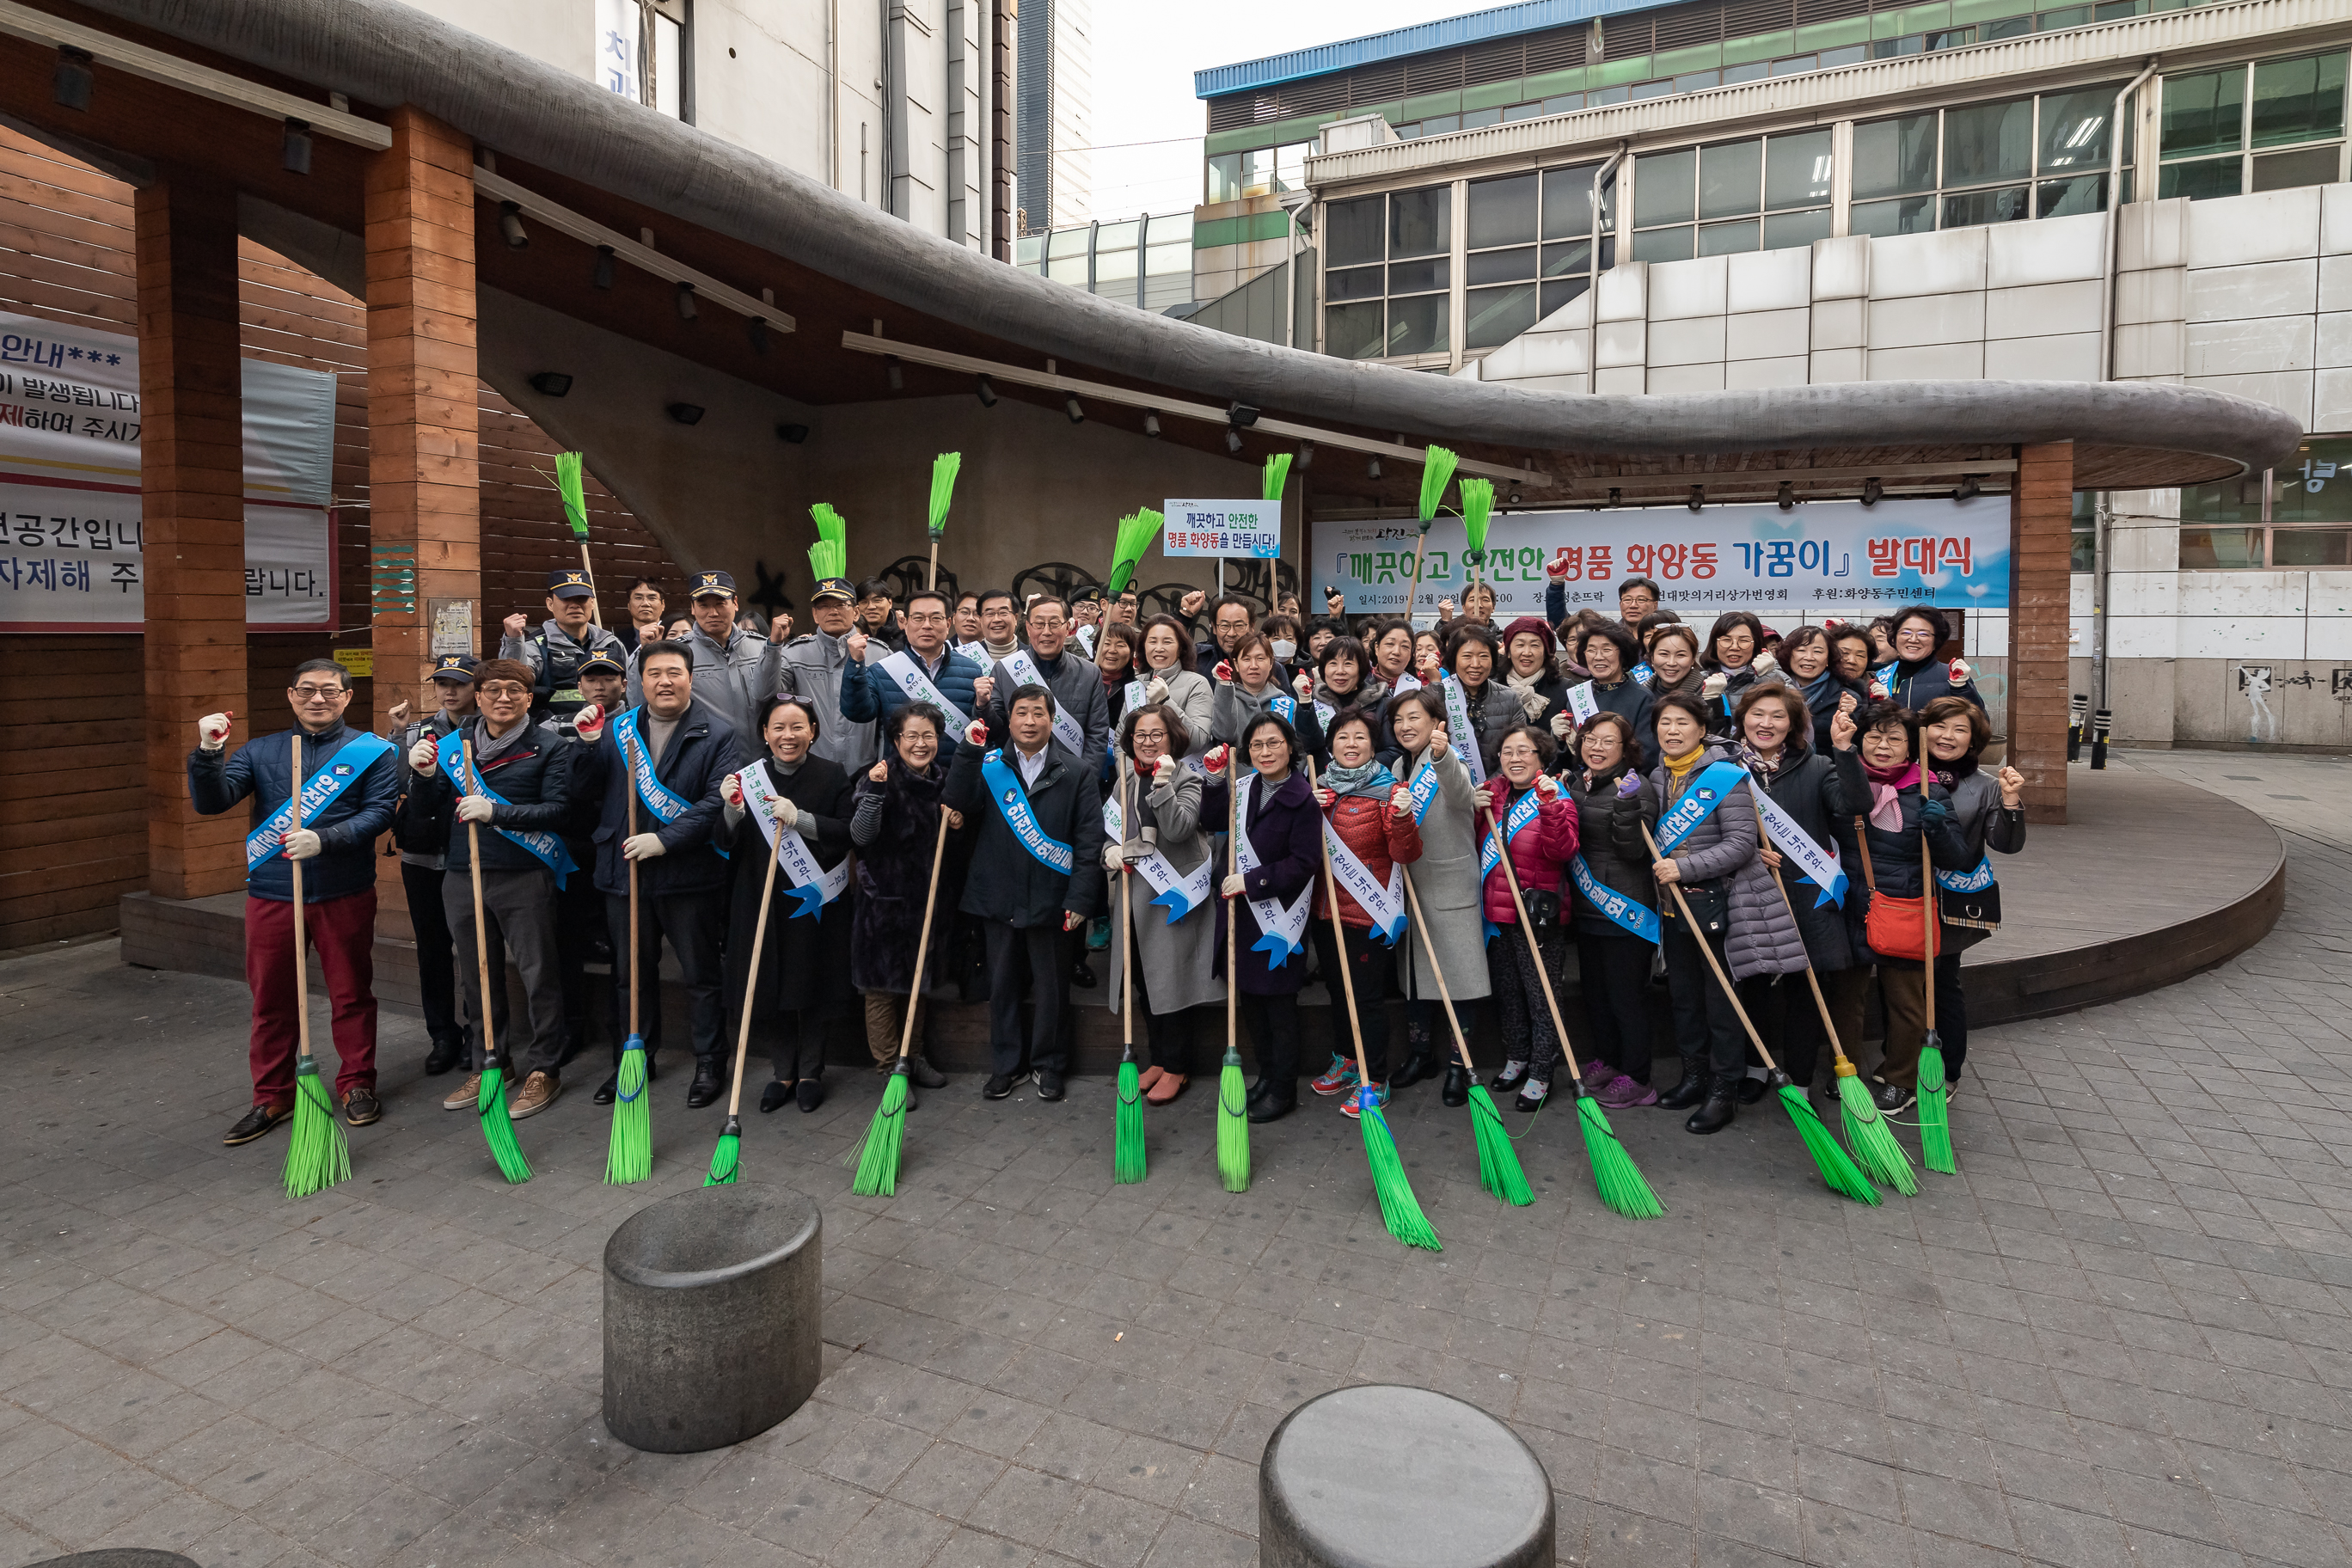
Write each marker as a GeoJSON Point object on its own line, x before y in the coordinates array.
{"type": "Point", "coordinates": [506, 689]}
{"type": "Point", "coordinates": [319, 691]}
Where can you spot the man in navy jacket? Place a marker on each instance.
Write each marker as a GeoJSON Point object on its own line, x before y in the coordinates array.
{"type": "Point", "coordinates": [350, 784]}
{"type": "Point", "coordinates": [871, 689]}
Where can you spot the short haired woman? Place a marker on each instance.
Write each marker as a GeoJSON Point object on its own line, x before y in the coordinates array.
{"type": "Point", "coordinates": [894, 822]}
{"type": "Point", "coordinates": [1991, 806]}
{"type": "Point", "coordinates": [1160, 821]}
{"type": "Point", "coordinates": [1613, 802]}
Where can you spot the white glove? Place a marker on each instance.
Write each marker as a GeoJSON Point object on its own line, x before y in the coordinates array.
{"type": "Point", "coordinates": [1157, 691]}
{"type": "Point", "coordinates": [301, 844]}
{"type": "Point", "coordinates": [1234, 885]}
{"type": "Point", "coordinates": [1766, 664]}
{"type": "Point", "coordinates": [211, 731]}
{"type": "Point", "coordinates": [642, 846]}
{"type": "Point", "coordinates": [1164, 770]}
{"type": "Point", "coordinates": [734, 788]}
{"type": "Point", "coordinates": [1213, 761]}
{"type": "Point", "coordinates": [473, 808]}
{"type": "Point", "coordinates": [1961, 672]}
{"type": "Point", "coordinates": [1563, 723]}
{"type": "Point", "coordinates": [423, 757]}
{"type": "Point", "coordinates": [787, 814]}
{"type": "Point", "coordinates": [588, 722]}
{"type": "Point", "coordinates": [1714, 685]}
{"type": "Point", "coordinates": [1114, 856]}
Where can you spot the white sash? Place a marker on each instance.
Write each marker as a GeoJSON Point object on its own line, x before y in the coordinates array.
{"type": "Point", "coordinates": [977, 652]}
{"type": "Point", "coordinates": [1817, 865]}
{"type": "Point", "coordinates": [1581, 704]}
{"type": "Point", "coordinates": [1406, 682]}
{"type": "Point", "coordinates": [1067, 730]}
{"type": "Point", "coordinates": [907, 670]}
{"type": "Point", "coordinates": [1383, 901]}
{"type": "Point", "coordinates": [813, 886]}
{"type": "Point", "coordinates": [1458, 733]}
{"type": "Point", "coordinates": [1180, 896]}
{"type": "Point", "coordinates": [1287, 927]}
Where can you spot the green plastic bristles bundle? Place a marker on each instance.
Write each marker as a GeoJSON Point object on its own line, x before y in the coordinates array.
{"type": "Point", "coordinates": [1277, 474]}
{"type": "Point", "coordinates": [829, 557]}
{"type": "Point", "coordinates": [318, 1157]}
{"type": "Point", "coordinates": [498, 1127]}
{"type": "Point", "coordinates": [1498, 1162]}
{"type": "Point", "coordinates": [575, 500]}
{"type": "Point", "coordinates": [1843, 1175]}
{"type": "Point", "coordinates": [1399, 1210]}
{"type": "Point", "coordinates": [1620, 1181]}
{"type": "Point", "coordinates": [1126, 1135]}
{"type": "Point", "coordinates": [629, 1157]}
{"type": "Point", "coordinates": [1875, 1149]}
{"type": "Point", "coordinates": [1436, 473]}
{"type": "Point", "coordinates": [727, 1160]}
{"type": "Point", "coordinates": [1233, 1125]}
{"type": "Point", "coordinates": [1477, 510]}
{"type": "Point", "coordinates": [1136, 533]}
{"type": "Point", "coordinates": [877, 1158]}
{"type": "Point", "coordinates": [944, 468]}
{"type": "Point", "coordinates": [1935, 1114]}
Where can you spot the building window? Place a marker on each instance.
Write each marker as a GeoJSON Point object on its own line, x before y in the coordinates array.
{"type": "Point", "coordinates": [1390, 271]}
{"type": "Point", "coordinates": [1983, 163]}
{"type": "Point", "coordinates": [2297, 518]}
{"type": "Point", "coordinates": [1259, 171]}
{"type": "Point", "coordinates": [2268, 125]}
{"type": "Point", "coordinates": [1766, 193]}
{"type": "Point", "coordinates": [655, 69]}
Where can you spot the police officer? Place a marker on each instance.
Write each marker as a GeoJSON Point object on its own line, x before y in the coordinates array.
{"type": "Point", "coordinates": [424, 847]}
{"type": "Point", "coordinates": [558, 648]}
{"type": "Point", "coordinates": [733, 670]}
{"type": "Point", "coordinates": [813, 669]}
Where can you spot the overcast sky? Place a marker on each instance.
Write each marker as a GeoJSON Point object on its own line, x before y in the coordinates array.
{"type": "Point", "coordinates": [1148, 124]}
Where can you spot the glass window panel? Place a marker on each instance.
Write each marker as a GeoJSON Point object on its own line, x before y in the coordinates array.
{"type": "Point", "coordinates": [1492, 317]}
{"type": "Point", "coordinates": [1563, 103]}
{"type": "Point", "coordinates": [2203, 113]}
{"type": "Point", "coordinates": [2075, 127]}
{"type": "Point", "coordinates": [1417, 326]}
{"type": "Point", "coordinates": [1662, 245]}
{"type": "Point", "coordinates": [2220, 548]}
{"type": "Point", "coordinates": [1893, 157]}
{"type": "Point", "coordinates": [1909, 214]}
{"type": "Point", "coordinates": [1258, 172]}
{"type": "Point", "coordinates": [2064, 198]}
{"type": "Point", "coordinates": [1167, 261]}
{"type": "Point", "coordinates": [1409, 133]}
{"type": "Point", "coordinates": [2233, 500]}
{"type": "Point", "coordinates": [1786, 231]}
{"type": "Point", "coordinates": [2307, 167]}
{"type": "Point", "coordinates": [1417, 276]}
{"type": "Point", "coordinates": [1503, 212]}
{"type": "Point", "coordinates": [1600, 96]}
{"type": "Point", "coordinates": [1352, 230]}
{"type": "Point", "coordinates": [1797, 169]}
{"type": "Point", "coordinates": [1501, 266]}
{"type": "Point", "coordinates": [1888, 48]}
{"type": "Point", "coordinates": [1477, 117]}
{"type": "Point", "coordinates": [1290, 165]}
{"type": "Point", "coordinates": [1988, 142]}
{"type": "Point", "coordinates": [1653, 88]}
{"type": "Point", "coordinates": [1115, 271]}
{"type": "Point", "coordinates": [1951, 39]}
{"type": "Point", "coordinates": [2115, 10]}
{"type": "Point", "coordinates": [1852, 55]}
{"type": "Point", "coordinates": [1795, 65]}
{"type": "Point", "coordinates": [2311, 547]}
{"type": "Point", "coordinates": [1568, 200]}
{"type": "Point", "coordinates": [1574, 257]}
{"type": "Point", "coordinates": [1226, 177]}
{"type": "Point", "coordinates": [1523, 112]}
{"type": "Point", "coordinates": [1438, 124]}
{"type": "Point", "coordinates": [1170, 226]}
{"type": "Point", "coordinates": [1729, 176]}
{"type": "Point", "coordinates": [2069, 17]}
{"type": "Point", "coordinates": [1067, 242]}
{"type": "Point", "coordinates": [1353, 283]}
{"type": "Point", "coordinates": [1069, 269]}
{"type": "Point", "coordinates": [1031, 250]}
{"type": "Point", "coordinates": [1695, 81]}
{"type": "Point", "coordinates": [1662, 186]}
{"type": "Point", "coordinates": [1117, 236]}
{"type": "Point", "coordinates": [2315, 485]}
{"type": "Point", "coordinates": [2298, 100]}
{"type": "Point", "coordinates": [1724, 239]}
{"type": "Point", "coordinates": [1564, 292]}
{"type": "Point", "coordinates": [2000, 204]}
{"type": "Point", "coordinates": [1421, 223]}
{"type": "Point", "coordinates": [2212, 177]}
{"type": "Point", "coordinates": [2008, 28]}
{"type": "Point", "coordinates": [1353, 331]}
{"type": "Point", "coordinates": [1754, 71]}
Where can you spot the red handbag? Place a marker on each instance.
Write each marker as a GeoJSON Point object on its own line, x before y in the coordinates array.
{"type": "Point", "coordinates": [1894, 927]}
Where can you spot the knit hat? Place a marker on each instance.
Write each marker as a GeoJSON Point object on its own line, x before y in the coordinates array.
{"type": "Point", "coordinates": [1536, 625]}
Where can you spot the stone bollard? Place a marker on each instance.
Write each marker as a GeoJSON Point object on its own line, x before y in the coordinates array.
{"type": "Point", "coordinates": [1386, 1477]}
{"type": "Point", "coordinates": [711, 1317]}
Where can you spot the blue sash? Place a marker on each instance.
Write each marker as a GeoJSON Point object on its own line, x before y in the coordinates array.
{"type": "Point", "coordinates": [1424, 790]}
{"type": "Point", "coordinates": [335, 774]}
{"type": "Point", "coordinates": [1642, 673]}
{"type": "Point", "coordinates": [1284, 707]}
{"type": "Point", "coordinates": [1012, 804]}
{"type": "Point", "coordinates": [1635, 916]}
{"type": "Point", "coordinates": [1974, 881]}
{"type": "Point", "coordinates": [1698, 803]}
{"type": "Point", "coordinates": [545, 847]}
{"type": "Point", "coordinates": [1491, 857]}
{"type": "Point", "coordinates": [1885, 676]}
{"type": "Point", "coordinates": [665, 803]}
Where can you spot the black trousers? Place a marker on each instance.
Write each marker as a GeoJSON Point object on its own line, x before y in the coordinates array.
{"type": "Point", "coordinates": [1371, 964]}
{"type": "Point", "coordinates": [1169, 1035]}
{"type": "Point", "coordinates": [1706, 1031]}
{"type": "Point", "coordinates": [1035, 953]}
{"type": "Point", "coordinates": [694, 923]}
{"type": "Point", "coordinates": [1614, 972]}
{"type": "Point", "coordinates": [1782, 1009]}
{"type": "Point", "coordinates": [579, 926]}
{"type": "Point", "coordinates": [1427, 1034]}
{"type": "Point", "coordinates": [1272, 1024]}
{"type": "Point", "coordinates": [437, 952]}
{"type": "Point", "coordinates": [793, 1042]}
{"type": "Point", "coordinates": [1951, 1011]}
{"type": "Point", "coordinates": [1520, 1005]}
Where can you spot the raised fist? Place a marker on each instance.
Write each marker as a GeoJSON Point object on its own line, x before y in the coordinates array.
{"type": "Point", "coordinates": [1401, 801]}
{"type": "Point", "coordinates": [1841, 729]}
{"type": "Point", "coordinates": [1444, 609]}
{"type": "Point", "coordinates": [1164, 770]}
{"type": "Point", "coordinates": [1157, 691]}
{"type": "Point", "coordinates": [1848, 702]}
{"type": "Point", "coordinates": [423, 757]}
{"type": "Point", "coordinates": [1764, 664]}
{"type": "Point", "coordinates": [983, 688]}
{"type": "Point", "coordinates": [780, 629]}
{"type": "Point", "coordinates": [1629, 785]}
{"type": "Point", "coordinates": [1715, 684]}
{"type": "Point", "coordinates": [977, 733]}
{"type": "Point", "coordinates": [1546, 786]}
{"type": "Point", "coordinates": [1213, 761]}
{"type": "Point", "coordinates": [1962, 673]}
{"type": "Point", "coordinates": [1563, 723]}
{"type": "Point", "coordinates": [1189, 604]}
{"type": "Point", "coordinates": [1335, 603]}
{"type": "Point", "coordinates": [588, 722]}
{"type": "Point", "coordinates": [2012, 785]}
{"type": "Point", "coordinates": [514, 625]}
{"type": "Point", "coordinates": [1224, 671]}
{"type": "Point", "coordinates": [855, 645]}
{"type": "Point", "coordinates": [734, 789]}
{"type": "Point", "coordinates": [212, 731]}
{"type": "Point", "coordinates": [1556, 569]}
{"type": "Point", "coordinates": [1304, 686]}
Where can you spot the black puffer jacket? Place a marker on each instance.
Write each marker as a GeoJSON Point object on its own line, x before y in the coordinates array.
{"type": "Point", "coordinates": [534, 776]}
{"type": "Point", "coordinates": [1891, 859]}
{"type": "Point", "coordinates": [1609, 837]}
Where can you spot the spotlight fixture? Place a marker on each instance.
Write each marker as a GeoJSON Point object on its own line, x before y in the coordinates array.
{"type": "Point", "coordinates": [511, 225]}
{"type": "Point", "coordinates": [1697, 497]}
{"type": "Point", "coordinates": [794, 434]}
{"type": "Point", "coordinates": [551, 383]}
{"type": "Point", "coordinates": [1240, 415]}
{"type": "Point", "coordinates": [1514, 498]}
{"type": "Point", "coordinates": [295, 156]}
{"type": "Point", "coordinates": [686, 311]}
{"type": "Point", "coordinates": [1616, 496]}
{"type": "Point", "coordinates": [602, 278]}
{"type": "Point", "coordinates": [1151, 426]}
{"type": "Point", "coordinates": [897, 374]}
{"type": "Point", "coordinates": [1306, 458]}
{"type": "Point", "coordinates": [72, 83]}
{"type": "Point", "coordinates": [1233, 441]}
{"type": "Point", "coordinates": [1373, 468]}
{"type": "Point", "coordinates": [1968, 487]}
{"type": "Point", "coordinates": [755, 331]}
{"type": "Point", "coordinates": [1787, 500]}
{"type": "Point", "coordinates": [1871, 490]}
{"type": "Point", "coordinates": [686, 413]}
{"type": "Point", "coordinates": [987, 391]}
{"type": "Point", "coordinates": [1071, 407]}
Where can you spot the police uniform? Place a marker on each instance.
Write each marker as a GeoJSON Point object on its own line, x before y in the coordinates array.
{"type": "Point", "coordinates": [423, 863]}
{"type": "Point", "coordinates": [812, 667]}
{"type": "Point", "coordinates": [732, 676]}
{"type": "Point", "coordinates": [555, 657]}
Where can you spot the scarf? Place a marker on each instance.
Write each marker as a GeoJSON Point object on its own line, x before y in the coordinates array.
{"type": "Point", "coordinates": [1756, 763]}
{"type": "Point", "coordinates": [1366, 778]}
{"type": "Point", "coordinates": [1680, 771]}
{"type": "Point", "coordinates": [1523, 686]}
{"type": "Point", "coordinates": [1949, 774]}
{"type": "Point", "coordinates": [1822, 693]}
{"type": "Point", "coordinates": [1887, 786]}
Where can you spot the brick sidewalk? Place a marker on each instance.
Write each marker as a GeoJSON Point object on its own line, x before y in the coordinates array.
{"type": "Point", "coordinates": [2120, 1336]}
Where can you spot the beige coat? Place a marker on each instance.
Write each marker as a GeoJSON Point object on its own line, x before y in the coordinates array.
{"type": "Point", "coordinates": [1179, 961]}
{"type": "Point", "coordinates": [1446, 880]}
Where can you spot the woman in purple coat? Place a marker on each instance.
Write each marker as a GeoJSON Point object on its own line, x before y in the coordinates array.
{"type": "Point", "coordinates": [1273, 872]}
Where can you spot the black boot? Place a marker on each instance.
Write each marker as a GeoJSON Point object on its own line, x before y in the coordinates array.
{"type": "Point", "coordinates": [1690, 1092]}
{"type": "Point", "coordinates": [1271, 1101]}
{"type": "Point", "coordinates": [1456, 1092]}
{"type": "Point", "coordinates": [1715, 1113]}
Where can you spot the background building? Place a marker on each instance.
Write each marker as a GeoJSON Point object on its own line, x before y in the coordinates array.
{"type": "Point", "coordinates": [1055, 125]}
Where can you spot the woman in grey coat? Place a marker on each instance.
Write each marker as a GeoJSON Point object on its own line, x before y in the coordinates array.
{"type": "Point", "coordinates": [1447, 881]}
{"type": "Point", "coordinates": [1167, 672]}
{"type": "Point", "coordinates": [1178, 962]}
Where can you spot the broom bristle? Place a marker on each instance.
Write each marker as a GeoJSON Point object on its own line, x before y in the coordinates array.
{"type": "Point", "coordinates": [1621, 1185]}
{"type": "Point", "coordinates": [498, 1127]}
{"type": "Point", "coordinates": [944, 468]}
{"type": "Point", "coordinates": [1875, 1148]}
{"type": "Point", "coordinates": [1127, 1137]}
{"type": "Point", "coordinates": [1137, 530]}
{"type": "Point", "coordinates": [317, 1156]}
{"type": "Point", "coordinates": [1436, 473]}
{"type": "Point", "coordinates": [1399, 1210]}
{"type": "Point", "coordinates": [1277, 474]}
{"type": "Point", "coordinates": [829, 557]}
{"type": "Point", "coordinates": [1498, 1162]}
{"type": "Point", "coordinates": [1843, 1175]}
{"type": "Point", "coordinates": [727, 1160]}
{"type": "Point", "coordinates": [1232, 1126]}
{"type": "Point", "coordinates": [1477, 511]}
{"type": "Point", "coordinates": [877, 1161]}
{"type": "Point", "coordinates": [1935, 1112]}
{"type": "Point", "coordinates": [630, 1155]}
{"type": "Point", "coordinates": [575, 500]}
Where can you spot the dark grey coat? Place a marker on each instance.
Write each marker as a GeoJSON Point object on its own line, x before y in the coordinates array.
{"type": "Point", "coordinates": [1761, 937]}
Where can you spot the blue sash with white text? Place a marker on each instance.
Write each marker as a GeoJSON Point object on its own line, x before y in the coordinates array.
{"type": "Point", "coordinates": [1012, 804]}
{"type": "Point", "coordinates": [1974, 881]}
{"type": "Point", "coordinates": [333, 776]}
{"type": "Point", "coordinates": [1491, 857]}
{"type": "Point", "coordinates": [1425, 785]}
{"type": "Point", "coordinates": [665, 803]}
{"type": "Point", "coordinates": [1698, 803]}
{"type": "Point", "coordinates": [1629, 913]}
{"type": "Point", "coordinates": [547, 849]}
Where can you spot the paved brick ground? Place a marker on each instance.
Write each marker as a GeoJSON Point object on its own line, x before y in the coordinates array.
{"type": "Point", "coordinates": [2120, 1337]}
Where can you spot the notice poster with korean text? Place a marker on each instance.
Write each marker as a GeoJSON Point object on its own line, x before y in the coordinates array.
{"type": "Point", "coordinates": [70, 523]}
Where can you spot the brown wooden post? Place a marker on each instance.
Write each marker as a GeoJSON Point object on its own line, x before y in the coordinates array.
{"type": "Point", "coordinates": [423, 398]}
{"type": "Point", "coordinates": [191, 494]}
{"type": "Point", "coordinates": [2042, 547]}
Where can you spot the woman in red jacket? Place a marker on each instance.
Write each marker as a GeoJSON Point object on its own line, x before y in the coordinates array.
{"type": "Point", "coordinates": [1540, 849]}
{"type": "Point", "coordinates": [1370, 816]}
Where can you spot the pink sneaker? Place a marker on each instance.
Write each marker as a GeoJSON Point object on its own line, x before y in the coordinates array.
{"type": "Point", "coordinates": [1622, 1093]}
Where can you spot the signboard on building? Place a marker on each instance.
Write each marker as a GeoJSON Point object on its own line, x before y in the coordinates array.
{"type": "Point", "coordinates": [70, 522]}
{"type": "Point", "coordinates": [1251, 530]}
{"type": "Point", "coordinates": [1824, 558]}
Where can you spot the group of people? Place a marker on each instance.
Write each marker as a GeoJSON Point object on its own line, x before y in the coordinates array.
{"type": "Point", "coordinates": [1441, 815]}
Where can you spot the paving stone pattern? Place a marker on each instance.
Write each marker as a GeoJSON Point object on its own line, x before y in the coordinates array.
{"type": "Point", "coordinates": [2120, 1337]}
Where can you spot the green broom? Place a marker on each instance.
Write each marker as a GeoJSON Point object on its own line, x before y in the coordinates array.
{"type": "Point", "coordinates": [629, 1155]}
{"type": "Point", "coordinates": [1277, 474]}
{"type": "Point", "coordinates": [829, 557]}
{"type": "Point", "coordinates": [1127, 1127]}
{"type": "Point", "coordinates": [1477, 511]}
{"type": "Point", "coordinates": [575, 513]}
{"type": "Point", "coordinates": [877, 1157]}
{"type": "Point", "coordinates": [1498, 1157]}
{"type": "Point", "coordinates": [316, 1154]}
{"type": "Point", "coordinates": [1437, 466]}
{"type": "Point", "coordinates": [1136, 531]}
{"type": "Point", "coordinates": [944, 468]}
{"type": "Point", "coordinates": [1233, 1095]}
{"type": "Point", "coordinates": [1935, 1112]}
{"type": "Point", "coordinates": [498, 1127]}
{"type": "Point", "coordinates": [726, 1159]}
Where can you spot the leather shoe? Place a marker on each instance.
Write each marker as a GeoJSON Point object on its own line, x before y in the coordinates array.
{"type": "Point", "coordinates": [810, 1092]}
{"type": "Point", "coordinates": [1752, 1089]}
{"type": "Point", "coordinates": [707, 1088]}
{"type": "Point", "coordinates": [774, 1096]}
{"type": "Point", "coordinates": [1266, 1103]}
{"type": "Point", "coordinates": [1456, 1092]}
{"type": "Point", "coordinates": [255, 1123]}
{"type": "Point", "coordinates": [925, 1074]}
{"type": "Point", "coordinates": [1715, 1112]}
{"type": "Point", "coordinates": [608, 1091]}
{"type": "Point", "coordinates": [1689, 1092]}
{"type": "Point", "coordinates": [362, 1107]}
{"type": "Point", "coordinates": [1418, 1066]}
{"type": "Point", "coordinates": [444, 1055]}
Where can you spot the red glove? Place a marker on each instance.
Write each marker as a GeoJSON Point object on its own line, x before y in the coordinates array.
{"type": "Point", "coordinates": [1546, 786]}
{"type": "Point", "coordinates": [588, 722]}
{"type": "Point", "coordinates": [734, 787]}
{"type": "Point", "coordinates": [1961, 673]}
{"type": "Point", "coordinates": [1556, 569]}
{"type": "Point", "coordinates": [1224, 671]}
{"type": "Point", "coordinates": [1213, 760]}
{"type": "Point", "coordinates": [1304, 686]}
{"type": "Point", "coordinates": [1325, 796]}
{"type": "Point", "coordinates": [978, 734]}
{"type": "Point", "coordinates": [1401, 801]}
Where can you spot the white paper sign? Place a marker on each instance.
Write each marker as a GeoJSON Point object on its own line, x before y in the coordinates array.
{"type": "Point", "coordinates": [1249, 528]}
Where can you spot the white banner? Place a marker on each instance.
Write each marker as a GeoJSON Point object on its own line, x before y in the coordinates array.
{"type": "Point", "coordinates": [1250, 528]}
{"type": "Point", "coordinates": [70, 518]}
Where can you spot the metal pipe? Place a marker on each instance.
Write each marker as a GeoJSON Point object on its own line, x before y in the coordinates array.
{"type": "Point", "coordinates": [1593, 262]}
{"type": "Point", "coordinates": [2102, 514]}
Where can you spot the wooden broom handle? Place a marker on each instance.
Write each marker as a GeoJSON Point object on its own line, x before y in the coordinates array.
{"type": "Point", "coordinates": [1811, 979]}
{"type": "Point", "coordinates": [1535, 950]}
{"type": "Point", "coordinates": [751, 975]}
{"type": "Point", "coordinates": [1126, 919]}
{"type": "Point", "coordinates": [1706, 948]}
{"type": "Point", "coordinates": [481, 929]}
{"type": "Point", "coordinates": [1339, 932]}
{"type": "Point", "coordinates": [630, 781]}
{"type": "Point", "coordinates": [302, 957]}
{"type": "Point", "coordinates": [923, 944]}
{"type": "Point", "coordinates": [1436, 972]}
{"type": "Point", "coordinates": [1233, 867]}
{"type": "Point", "coordinates": [1927, 910]}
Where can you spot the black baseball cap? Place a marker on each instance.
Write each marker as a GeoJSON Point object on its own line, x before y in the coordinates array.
{"type": "Point", "coordinates": [834, 588]}
{"type": "Point", "coordinates": [599, 664]}
{"type": "Point", "coordinates": [454, 667]}
{"type": "Point", "coordinates": [710, 584]}
{"type": "Point", "coordinates": [569, 585]}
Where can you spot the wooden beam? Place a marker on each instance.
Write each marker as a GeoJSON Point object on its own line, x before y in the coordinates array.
{"type": "Point", "coordinates": [2041, 506]}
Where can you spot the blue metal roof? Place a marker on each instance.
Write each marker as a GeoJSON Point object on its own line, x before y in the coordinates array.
{"type": "Point", "coordinates": [1478, 27]}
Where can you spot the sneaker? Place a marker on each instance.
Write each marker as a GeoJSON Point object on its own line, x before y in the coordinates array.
{"type": "Point", "coordinates": [1098, 934]}
{"type": "Point", "coordinates": [466, 1095]}
{"type": "Point", "coordinates": [1891, 1099]}
{"type": "Point", "coordinates": [1337, 1078]}
{"type": "Point", "coordinates": [254, 1123]}
{"type": "Point", "coordinates": [1049, 1084]}
{"type": "Point", "coordinates": [1353, 1104]}
{"type": "Point", "coordinates": [539, 1092]}
{"type": "Point", "coordinates": [1511, 1074]}
{"type": "Point", "coordinates": [1532, 1097]}
{"type": "Point", "coordinates": [999, 1085]}
{"type": "Point", "coordinates": [1622, 1093]}
{"type": "Point", "coordinates": [362, 1107]}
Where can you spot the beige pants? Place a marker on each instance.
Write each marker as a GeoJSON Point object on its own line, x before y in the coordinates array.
{"type": "Point", "coordinates": [884, 1017]}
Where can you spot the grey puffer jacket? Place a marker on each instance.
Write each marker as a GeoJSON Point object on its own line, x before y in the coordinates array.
{"type": "Point", "coordinates": [1762, 938]}
{"type": "Point", "coordinates": [1808, 788]}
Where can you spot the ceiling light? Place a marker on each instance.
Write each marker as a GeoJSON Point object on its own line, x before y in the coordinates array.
{"type": "Point", "coordinates": [511, 225]}
{"type": "Point", "coordinates": [1968, 487]}
{"type": "Point", "coordinates": [1306, 458]}
{"type": "Point", "coordinates": [1233, 440]}
{"type": "Point", "coordinates": [1151, 426]}
{"type": "Point", "coordinates": [1373, 469]}
{"type": "Point", "coordinates": [686, 302]}
{"type": "Point", "coordinates": [602, 278]}
{"type": "Point", "coordinates": [755, 331]}
{"type": "Point", "coordinates": [686, 413]}
{"type": "Point", "coordinates": [1241, 416]}
{"type": "Point", "coordinates": [1616, 496]}
{"type": "Point", "coordinates": [1070, 406]}
{"type": "Point", "coordinates": [551, 383]}
{"type": "Point", "coordinates": [295, 155]}
{"type": "Point", "coordinates": [795, 434]}
{"type": "Point", "coordinates": [1514, 498]}
{"type": "Point", "coordinates": [987, 390]}
{"type": "Point", "coordinates": [1787, 500]}
{"type": "Point", "coordinates": [72, 82]}
{"type": "Point", "coordinates": [1697, 497]}
{"type": "Point", "coordinates": [1871, 490]}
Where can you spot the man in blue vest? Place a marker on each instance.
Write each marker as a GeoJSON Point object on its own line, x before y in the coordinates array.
{"type": "Point", "coordinates": [348, 788]}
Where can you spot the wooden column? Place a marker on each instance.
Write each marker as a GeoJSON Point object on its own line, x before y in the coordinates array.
{"type": "Point", "coordinates": [2040, 548]}
{"type": "Point", "coordinates": [424, 397]}
{"type": "Point", "coordinates": [192, 494]}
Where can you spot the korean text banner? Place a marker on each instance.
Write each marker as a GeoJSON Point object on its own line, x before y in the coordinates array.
{"type": "Point", "coordinates": [1833, 558]}
{"type": "Point", "coordinates": [70, 522]}
{"type": "Point", "coordinates": [1252, 529]}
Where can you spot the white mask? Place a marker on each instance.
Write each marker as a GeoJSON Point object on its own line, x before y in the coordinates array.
{"type": "Point", "coordinates": [1282, 649]}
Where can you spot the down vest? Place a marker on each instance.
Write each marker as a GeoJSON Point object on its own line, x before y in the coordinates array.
{"type": "Point", "coordinates": [1380, 838]}
{"type": "Point", "coordinates": [1539, 857]}
{"type": "Point", "coordinates": [1763, 938]}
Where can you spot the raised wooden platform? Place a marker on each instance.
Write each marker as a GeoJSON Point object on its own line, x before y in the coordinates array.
{"type": "Point", "coordinates": [2151, 881]}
